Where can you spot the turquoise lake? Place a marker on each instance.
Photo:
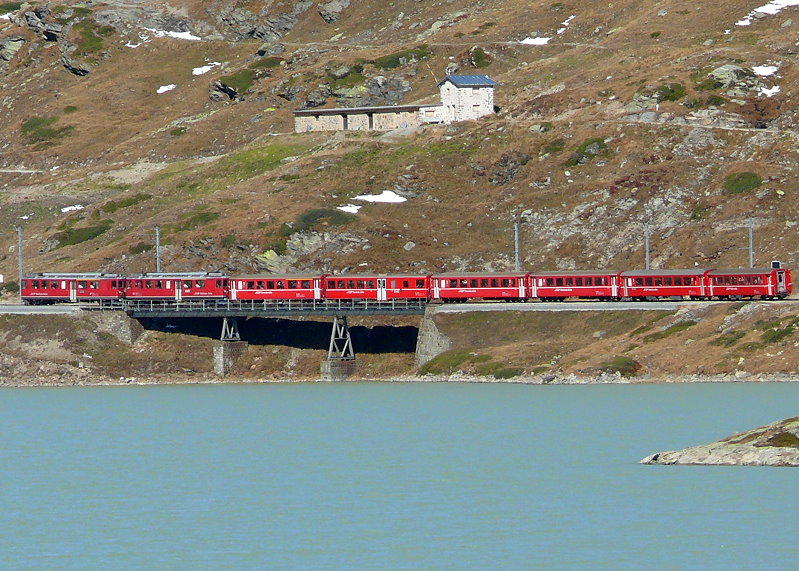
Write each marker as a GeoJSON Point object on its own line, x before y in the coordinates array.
{"type": "Point", "coordinates": [388, 476]}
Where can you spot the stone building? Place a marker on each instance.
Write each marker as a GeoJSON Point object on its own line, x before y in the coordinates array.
{"type": "Point", "coordinates": [466, 97]}
{"type": "Point", "coordinates": [463, 97]}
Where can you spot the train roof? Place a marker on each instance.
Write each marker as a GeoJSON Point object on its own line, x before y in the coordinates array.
{"type": "Point", "coordinates": [512, 274]}
{"type": "Point", "coordinates": [575, 273]}
{"type": "Point", "coordinates": [275, 277]}
{"type": "Point", "coordinates": [743, 271]}
{"type": "Point", "coordinates": [177, 275]}
{"type": "Point", "coordinates": [645, 273]}
{"type": "Point", "coordinates": [63, 276]}
{"type": "Point", "coordinates": [375, 276]}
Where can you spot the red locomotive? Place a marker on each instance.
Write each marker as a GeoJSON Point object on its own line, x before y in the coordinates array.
{"type": "Point", "coordinates": [696, 284]}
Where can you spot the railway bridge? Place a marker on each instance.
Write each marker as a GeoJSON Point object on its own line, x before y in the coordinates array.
{"type": "Point", "coordinates": [340, 362]}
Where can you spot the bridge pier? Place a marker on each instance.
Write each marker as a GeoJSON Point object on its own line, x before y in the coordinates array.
{"type": "Point", "coordinates": [340, 363]}
{"type": "Point", "coordinates": [229, 347]}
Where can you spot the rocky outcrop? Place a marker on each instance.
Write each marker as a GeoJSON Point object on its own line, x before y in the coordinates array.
{"type": "Point", "coordinates": [331, 11]}
{"type": "Point", "coordinates": [245, 24]}
{"type": "Point", "coordinates": [8, 49]}
{"type": "Point", "coordinates": [775, 444]}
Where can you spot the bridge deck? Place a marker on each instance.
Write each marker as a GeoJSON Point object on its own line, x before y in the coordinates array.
{"type": "Point", "coordinates": [265, 308]}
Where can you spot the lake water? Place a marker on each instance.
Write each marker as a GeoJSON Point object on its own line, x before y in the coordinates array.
{"type": "Point", "coordinates": [388, 476]}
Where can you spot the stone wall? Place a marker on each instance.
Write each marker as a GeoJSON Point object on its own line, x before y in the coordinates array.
{"type": "Point", "coordinates": [431, 341]}
{"type": "Point", "coordinates": [117, 323]}
{"type": "Point", "coordinates": [466, 103]}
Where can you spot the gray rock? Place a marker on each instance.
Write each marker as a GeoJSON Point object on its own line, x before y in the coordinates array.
{"type": "Point", "coordinates": [647, 117]}
{"type": "Point", "coordinates": [218, 91]}
{"type": "Point", "coordinates": [776, 444]}
{"type": "Point", "coordinates": [331, 11]}
{"type": "Point", "coordinates": [270, 49]}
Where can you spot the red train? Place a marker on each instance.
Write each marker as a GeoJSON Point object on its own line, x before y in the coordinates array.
{"type": "Point", "coordinates": [696, 284]}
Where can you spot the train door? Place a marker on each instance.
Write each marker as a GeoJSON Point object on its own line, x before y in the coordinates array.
{"type": "Point", "coordinates": [317, 288]}
{"type": "Point", "coordinates": [178, 289]}
{"type": "Point", "coordinates": [781, 282]}
{"type": "Point", "coordinates": [73, 290]}
{"type": "Point", "coordinates": [381, 289]}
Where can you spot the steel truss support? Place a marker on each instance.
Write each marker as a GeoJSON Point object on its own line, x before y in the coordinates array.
{"type": "Point", "coordinates": [230, 329]}
{"type": "Point", "coordinates": [340, 341]}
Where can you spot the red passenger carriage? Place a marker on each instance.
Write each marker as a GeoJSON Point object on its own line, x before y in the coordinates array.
{"type": "Point", "coordinates": [460, 287]}
{"type": "Point", "coordinates": [45, 288]}
{"type": "Point", "coordinates": [767, 283]}
{"type": "Point", "coordinates": [644, 284]}
{"type": "Point", "coordinates": [177, 286]}
{"type": "Point", "coordinates": [302, 286]}
{"type": "Point", "coordinates": [558, 286]}
{"type": "Point", "coordinates": [376, 287]}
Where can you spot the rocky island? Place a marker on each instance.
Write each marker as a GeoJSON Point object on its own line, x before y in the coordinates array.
{"type": "Point", "coordinates": [775, 444]}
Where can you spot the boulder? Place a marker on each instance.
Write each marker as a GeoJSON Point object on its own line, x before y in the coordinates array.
{"type": "Point", "coordinates": [775, 444]}
{"type": "Point", "coordinates": [331, 11]}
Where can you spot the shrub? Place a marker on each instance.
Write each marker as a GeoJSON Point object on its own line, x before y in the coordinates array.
{"type": "Point", "coordinates": [196, 220]}
{"type": "Point", "coordinates": [655, 35]}
{"type": "Point", "coordinates": [738, 182]}
{"type": "Point", "coordinates": [777, 335]}
{"type": "Point", "coordinates": [12, 287]}
{"type": "Point", "coordinates": [446, 362]}
{"type": "Point", "coordinates": [70, 109]}
{"type": "Point", "coordinates": [715, 101]}
{"type": "Point", "coordinates": [625, 366]}
{"type": "Point", "coordinates": [178, 131]}
{"type": "Point", "coordinates": [229, 241]}
{"type": "Point", "coordinates": [507, 373]}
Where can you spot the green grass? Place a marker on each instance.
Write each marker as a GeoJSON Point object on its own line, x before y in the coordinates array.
{"type": "Point", "coordinates": [229, 241]}
{"type": "Point", "coordinates": [266, 63]}
{"type": "Point", "coordinates": [140, 248]}
{"type": "Point", "coordinates": [738, 182]}
{"type": "Point", "coordinates": [397, 59]}
{"type": "Point", "coordinates": [40, 130]}
{"type": "Point", "coordinates": [69, 109]}
{"type": "Point", "coordinates": [451, 361]}
{"type": "Point", "coordinates": [670, 92]}
{"type": "Point", "coordinates": [114, 205]}
{"type": "Point", "coordinates": [555, 146]}
{"type": "Point", "coordinates": [671, 330]}
{"type": "Point", "coordinates": [253, 162]}
{"type": "Point", "coordinates": [354, 78]}
{"type": "Point", "coordinates": [585, 151]}
{"type": "Point", "coordinates": [12, 287]}
{"type": "Point", "coordinates": [8, 7]}
{"type": "Point", "coordinates": [507, 372]}
{"type": "Point", "coordinates": [777, 334]}
{"type": "Point", "coordinates": [72, 236]}
{"type": "Point", "coordinates": [90, 36]}
{"type": "Point", "coordinates": [625, 366]}
{"type": "Point", "coordinates": [480, 58]}
{"type": "Point", "coordinates": [314, 218]}
{"type": "Point", "coordinates": [240, 81]}
{"type": "Point", "coordinates": [783, 440]}
{"type": "Point", "coordinates": [194, 221]}
{"type": "Point", "coordinates": [178, 131]}
{"type": "Point", "coordinates": [727, 339]}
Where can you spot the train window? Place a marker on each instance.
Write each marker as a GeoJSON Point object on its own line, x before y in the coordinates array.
{"type": "Point", "coordinates": [292, 284]}
{"type": "Point", "coordinates": [186, 284]}
{"type": "Point", "coordinates": [393, 284]}
{"type": "Point", "coordinates": [658, 281]}
{"type": "Point", "coordinates": [667, 281]}
{"type": "Point", "coordinates": [453, 283]}
{"type": "Point", "coordinates": [53, 285]}
{"type": "Point", "coordinates": [341, 284]}
{"type": "Point", "coordinates": [280, 284]}
{"type": "Point", "coordinates": [639, 281]}
{"type": "Point", "coordinates": [351, 284]}
{"type": "Point", "coordinates": [569, 281]}
{"type": "Point", "coordinates": [93, 285]}
{"type": "Point", "coordinates": [483, 282]}
{"type": "Point", "coordinates": [250, 285]}
{"type": "Point", "coordinates": [550, 281]}
{"type": "Point", "coordinates": [81, 284]}
{"type": "Point", "coordinates": [139, 284]}
{"type": "Point", "coordinates": [64, 285]}
{"type": "Point", "coordinates": [306, 284]}
{"type": "Point", "coordinates": [464, 283]}
{"type": "Point", "coordinates": [589, 281]}
{"type": "Point", "coordinates": [578, 281]}
{"type": "Point", "coordinates": [420, 283]}
{"type": "Point", "coordinates": [218, 283]}
{"type": "Point", "coordinates": [559, 281]}
{"type": "Point", "coordinates": [494, 282]}
{"type": "Point", "coordinates": [200, 283]}
{"type": "Point", "coordinates": [370, 284]}
{"type": "Point", "coordinates": [648, 281]}
{"type": "Point", "coordinates": [473, 283]}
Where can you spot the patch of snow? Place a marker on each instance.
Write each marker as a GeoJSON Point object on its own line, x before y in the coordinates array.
{"type": "Point", "coordinates": [205, 69]}
{"type": "Point", "coordinates": [765, 70]}
{"type": "Point", "coordinates": [565, 24]}
{"type": "Point", "coordinates": [387, 196]}
{"type": "Point", "coordinates": [5, 16]}
{"type": "Point", "coordinates": [165, 88]}
{"type": "Point", "coordinates": [26, 217]}
{"type": "Point", "coordinates": [769, 91]}
{"type": "Point", "coordinates": [773, 7]}
{"type": "Point", "coordinates": [350, 208]}
{"type": "Point", "coordinates": [143, 39]}
{"type": "Point", "coordinates": [535, 41]}
{"type": "Point", "coordinates": [176, 35]}
{"type": "Point", "coordinates": [72, 208]}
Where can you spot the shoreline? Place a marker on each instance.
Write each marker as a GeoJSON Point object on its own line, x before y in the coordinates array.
{"type": "Point", "coordinates": [572, 380]}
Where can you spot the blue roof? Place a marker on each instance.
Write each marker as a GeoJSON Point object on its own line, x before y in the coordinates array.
{"type": "Point", "coordinates": [469, 80]}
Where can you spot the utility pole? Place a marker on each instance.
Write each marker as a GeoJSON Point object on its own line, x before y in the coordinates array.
{"type": "Point", "coordinates": [646, 233]}
{"type": "Point", "coordinates": [751, 243]}
{"type": "Point", "coordinates": [516, 244]}
{"type": "Point", "coordinates": [157, 248]}
{"type": "Point", "coordinates": [19, 258]}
